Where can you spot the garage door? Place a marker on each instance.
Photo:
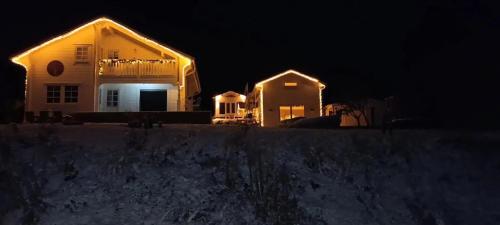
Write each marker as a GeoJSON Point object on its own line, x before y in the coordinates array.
{"type": "Point", "coordinates": [153, 100]}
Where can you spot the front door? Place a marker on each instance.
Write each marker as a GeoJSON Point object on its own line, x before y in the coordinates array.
{"type": "Point", "coordinates": [153, 100]}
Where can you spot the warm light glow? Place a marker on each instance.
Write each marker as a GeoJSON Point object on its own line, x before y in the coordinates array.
{"type": "Point", "coordinates": [217, 100]}
{"type": "Point", "coordinates": [262, 105]}
{"type": "Point", "coordinates": [290, 84]}
{"type": "Point", "coordinates": [232, 101]}
{"type": "Point", "coordinates": [123, 66]}
{"type": "Point", "coordinates": [17, 59]}
{"type": "Point", "coordinates": [241, 98]}
{"type": "Point", "coordinates": [290, 112]}
{"type": "Point", "coordinates": [184, 74]}
{"type": "Point", "coordinates": [321, 101]}
{"type": "Point", "coordinates": [321, 87]}
{"type": "Point", "coordinates": [26, 100]}
{"type": "Point", "coordinates": [288, 72]}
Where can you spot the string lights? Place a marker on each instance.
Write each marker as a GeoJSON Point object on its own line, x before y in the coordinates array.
{"type": "Point", "coordinates": [18, 59]}
{"type": "Point", "coordinates": [260, 87]}
{"type": "Point", "coordinates": [140, 61]}
{"type": "Point", "coordinates": [116, 62]}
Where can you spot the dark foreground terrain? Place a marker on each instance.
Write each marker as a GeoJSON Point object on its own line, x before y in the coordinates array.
{"type": "Point", "coordinates": [111, 174]}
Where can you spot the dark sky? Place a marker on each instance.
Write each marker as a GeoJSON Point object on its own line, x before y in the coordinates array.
{"type": "Point", "coordinates": [441, 54]}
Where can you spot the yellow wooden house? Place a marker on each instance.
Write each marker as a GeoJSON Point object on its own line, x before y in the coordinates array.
{"type": "Point", "coordinates": [104, 66]}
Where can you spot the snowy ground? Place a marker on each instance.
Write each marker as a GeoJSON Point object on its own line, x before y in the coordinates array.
{"type": "Point", "coordinates": [189, 174]}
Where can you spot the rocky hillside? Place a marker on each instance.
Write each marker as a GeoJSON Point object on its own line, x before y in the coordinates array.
{"type": "Point", "coordinates": [111, 174]}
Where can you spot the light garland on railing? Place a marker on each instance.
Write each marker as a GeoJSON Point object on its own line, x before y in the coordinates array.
{"type": "Point", "coordinates": [132, 61]}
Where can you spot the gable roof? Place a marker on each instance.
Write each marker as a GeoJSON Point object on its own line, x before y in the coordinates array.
{"type": "Point", "coordinates": [16, 59]}
{"type": "Point", "coordinates": [290, 72]}
{"type": "Point", "coordinates": [229, 93]}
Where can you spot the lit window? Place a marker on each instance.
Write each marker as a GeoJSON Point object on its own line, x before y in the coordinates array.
{"type": "Point", "coordinates": [290, 112]}
{"type": "Point", "coordinates": [297, 111]}
{"type": "Point", "coordinates": [71, 94]}
{"type": "Point", "coordinates": [82, 54]}
{"type": "Point", "coordinates": [290, 84]}
{"type": "Point", "coordinates": [53, 94]}
{"type": "Point", "coordinates": [113, 54]}
{"type": "Point", "coordinates": [112, 98]}
{"type": "Point", "coordinates": [285, 113]}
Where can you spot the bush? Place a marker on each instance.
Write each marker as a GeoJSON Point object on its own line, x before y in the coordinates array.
{"type": "Point", "coordinates": [270, 188]}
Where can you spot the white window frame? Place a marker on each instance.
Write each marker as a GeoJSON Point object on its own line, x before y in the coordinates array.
{"type": "Point", "coordinates": [52, 96]}
{"type": "Point", "coordinates": [71, 96]}
{"type": "Point", "coordinates": [110, 100]}
{"type": "Point", "coordinates": [82, 53]}
{"type": "Point", "coordinates": [113, 54]}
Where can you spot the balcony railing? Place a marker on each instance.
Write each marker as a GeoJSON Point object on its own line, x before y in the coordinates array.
{"type": "Point", "coordinates": [137, 67]}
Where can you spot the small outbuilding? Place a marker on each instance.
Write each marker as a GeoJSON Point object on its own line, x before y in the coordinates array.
{"type": "Point", "coordinates": [285, 96]}
{"type": "Point", "coordinates": [229, 106]}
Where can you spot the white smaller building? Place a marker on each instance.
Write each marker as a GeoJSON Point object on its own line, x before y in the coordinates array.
{"type": "Point", "coordinates": [229, 106]}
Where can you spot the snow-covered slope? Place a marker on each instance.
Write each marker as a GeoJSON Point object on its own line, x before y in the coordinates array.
{"type": "Point", "coordinates": [188, 174]}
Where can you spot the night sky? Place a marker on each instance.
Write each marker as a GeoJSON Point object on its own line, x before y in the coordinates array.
{"type": "Point", "coordinates": [443, 56]}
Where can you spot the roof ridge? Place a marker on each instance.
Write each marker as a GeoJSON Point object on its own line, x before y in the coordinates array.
{"type": "Point", "coordinates": [15, 59]}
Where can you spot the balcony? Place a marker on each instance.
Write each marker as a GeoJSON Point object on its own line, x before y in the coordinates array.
{"type": "Point", "coordinates": [137, 67]}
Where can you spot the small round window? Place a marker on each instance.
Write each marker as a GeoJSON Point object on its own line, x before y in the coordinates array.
{"type": "Point", "coordinates": [55, 68]}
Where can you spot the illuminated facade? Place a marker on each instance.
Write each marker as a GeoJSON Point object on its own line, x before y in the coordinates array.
{"type": "Point", "coordinates": [104, 66]}
{"type": "Point", "coordinates": [288, 95]}
{"type": "Point", "coordinates": [229, 105]}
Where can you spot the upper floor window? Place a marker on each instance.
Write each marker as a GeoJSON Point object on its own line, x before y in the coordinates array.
{"type": "Point", "coordinates": [113, 54]}
{"type": "Point", "coordinates": [53, 94]}
{"type": "Point", "coordinates": [82, 54]}
{"type": "Point", "coordinates": [291, 84]}
{"type": "Point", "coordinates": [71, 94]}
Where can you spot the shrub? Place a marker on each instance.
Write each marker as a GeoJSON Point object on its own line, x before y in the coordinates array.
{"type": "Point", "coordinates": [270, 187]}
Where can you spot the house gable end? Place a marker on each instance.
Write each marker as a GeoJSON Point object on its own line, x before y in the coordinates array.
{"type": "Point", "coordinates": [20, 59]}
{"type": "Point", "coordinates": [127, 46]}
{"type": "Point", "coordinates": [289, 72]}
